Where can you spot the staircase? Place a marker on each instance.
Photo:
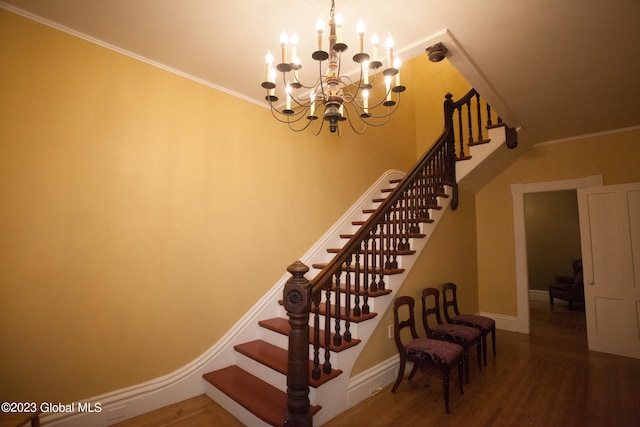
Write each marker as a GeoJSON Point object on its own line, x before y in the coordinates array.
{"type": "Point", "coordinates": [360, 262]}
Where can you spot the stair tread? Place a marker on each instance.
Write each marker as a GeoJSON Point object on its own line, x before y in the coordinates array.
{"type": "Point", "coordinates": [258, 397]}
{"type": "Point", "coordinates": [343, 311]}
{"type": "Point", "coordinates": [373, 210]}
{"type": "Point", "coordinates": [479, 142]}
{"type": "Point", "coordinates": [277, 359]}
{"type": "Point", "coordinates": [398, 251]}
{"type": "Point", "coordinates": [371, 294]}
{"type": "Point", "coordinates": [386, 271]}
{"type": "Point", "coordinates": [281, 326]}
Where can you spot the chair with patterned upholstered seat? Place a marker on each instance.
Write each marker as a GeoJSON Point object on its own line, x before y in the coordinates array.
{"type": "Point", "coordinates": [422, 351]}
{"type": "Point", "coordinates": [465, 336]}
{"type": "Point", "coordinates": [485, 324]}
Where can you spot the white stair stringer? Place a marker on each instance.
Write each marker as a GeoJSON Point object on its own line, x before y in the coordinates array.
{"type": "Point", "coordinates": [479, 153]}
{"type": "Point", "coordinates": [333, 396]}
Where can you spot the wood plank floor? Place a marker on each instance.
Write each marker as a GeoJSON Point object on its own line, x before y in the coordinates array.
{"type": "Point", "coordinates": [547, 378]}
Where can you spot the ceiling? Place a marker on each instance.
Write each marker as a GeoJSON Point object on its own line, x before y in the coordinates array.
{"type": "Point", "coordinates": [560, 68]}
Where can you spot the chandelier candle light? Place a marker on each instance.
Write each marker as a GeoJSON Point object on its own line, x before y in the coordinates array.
{"type": "Point", "coordinates": [336, 98]}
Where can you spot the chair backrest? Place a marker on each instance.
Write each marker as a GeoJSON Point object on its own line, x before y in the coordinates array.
{"type": "Point", "coordinates": [577, 266]}
{"type": "Point", "coordinates": [430, 307]}
{"type": "Point", "coordinates": [449, 300]}
{"type": "Point", "coordinates": [405, 322]}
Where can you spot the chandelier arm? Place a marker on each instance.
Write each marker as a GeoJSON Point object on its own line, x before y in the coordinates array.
{"type": "Point", "coordinates": [375, 124]}
{"type": "Point", "coordinates": [286, 118]}
{"type": "Point", "coordinates": [300, 129]}
{"type": "Point", "coordinates": [351, 122]}
{"type": "Point", "coordinates": [386, 117]}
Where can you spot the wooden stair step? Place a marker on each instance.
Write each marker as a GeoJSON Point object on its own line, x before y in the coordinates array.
{"type": "Point", "coordinates": [322, 308]}
{"type": "Point", "coordinates": [343, 313]}
{"type": "Point", "coordinates": [385, 271]}
{"type": "Point", "coordinates": [431, 206]}
{"type": "Point", "coordinates": [371, 294]}
{"type": "Point", "coordinates": [360, 223]}
{"type": "Point", "coordinates": [258, 397]}
{"type": "Point", "coordinates": [281, 326]}
{"type": "Point", "coordinates": [377, 236]}
{"type": "Point", "coordinates": [369, 251]}
{"type": "Point", "coordinates": [479, 142]}
{"type": "Point", "coordinates": [277, 359]}
{"type": "Point", "coordinates": [496, 125]}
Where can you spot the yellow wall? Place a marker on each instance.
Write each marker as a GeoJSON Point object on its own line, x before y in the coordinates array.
{"type": "Point", "coordinates": [431, 82]}
{"type": "Point", "coordinates": [614, 156]}
{"type": "Point", "coordinates": [143, 214]}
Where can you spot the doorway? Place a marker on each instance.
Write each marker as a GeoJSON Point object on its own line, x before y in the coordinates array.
{"type": "Point", "coordinates": [522, 266]}
{"type": "Point", "coordinates": [553, 239]}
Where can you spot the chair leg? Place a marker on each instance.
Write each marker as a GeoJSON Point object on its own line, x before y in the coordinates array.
{"type": "Point", "coordinates": [445, 383]}
{"type": "Point", "coordinates": [466, 365]}
{"type": "Point", "coordinates": [400, 376]}
{"type": "Point", "coordinates": [493, 340]}
{"type": "Point", "coordinates": [413, 371]}
{"type": "Point", "coordinates": [479, 351]}
{"type": "Point", "coordinates": [484, 348]}
{"type": "Point", "coordinates": [460, 376]}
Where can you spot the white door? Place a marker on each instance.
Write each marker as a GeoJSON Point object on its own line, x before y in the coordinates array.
{"type": "Point", "coordinates": [610, 234]}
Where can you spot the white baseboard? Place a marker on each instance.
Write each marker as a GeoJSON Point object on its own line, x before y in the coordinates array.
{"type": "Point", "coordinates": [538, 295]}
{"type": "Point", "coordinates": [372, 381]}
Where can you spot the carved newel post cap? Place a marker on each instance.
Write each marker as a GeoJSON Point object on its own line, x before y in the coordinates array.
{"type": "Point", "coordinates": [297, 269]}
{"type": "Point", "coordinates": [297, 290]}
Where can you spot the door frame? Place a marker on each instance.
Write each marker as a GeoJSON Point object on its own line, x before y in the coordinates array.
{"type": "Point", "coordinates": [520, 239]}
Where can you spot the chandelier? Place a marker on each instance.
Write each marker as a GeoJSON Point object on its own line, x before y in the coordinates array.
{"type": "Point", "coordinates": [334, 97]}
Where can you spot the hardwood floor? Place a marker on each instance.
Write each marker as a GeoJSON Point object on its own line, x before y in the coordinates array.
{"type": "Point", "coordinates": [195, 412]}
{"type": "Point", "coordinates": [547, 378]}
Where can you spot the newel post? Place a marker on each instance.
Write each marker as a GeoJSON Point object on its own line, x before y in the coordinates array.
{"type": "Point", "coordinates": [297, 302]}
{"type": "Point", "coordinates": [451, 149]}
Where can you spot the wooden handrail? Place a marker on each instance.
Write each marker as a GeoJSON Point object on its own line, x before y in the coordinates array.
{"type": "Point", "coordinates": [367, 257]}
{"type": "Point", "coordinates": [326, 274]}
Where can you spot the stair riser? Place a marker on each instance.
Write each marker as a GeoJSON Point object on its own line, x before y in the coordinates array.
{"type": "Point", "coordinates": [281, 340]}
{"type": "Point", "coordinates": [256, 368]}
{"type": "Point", "coordinates": [231, 406]}
{"type": "Point", "coordinates": [274, 378]}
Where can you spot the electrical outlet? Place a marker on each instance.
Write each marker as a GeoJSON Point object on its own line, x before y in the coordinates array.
{"type": "Point", "coordinates": [390, 331]}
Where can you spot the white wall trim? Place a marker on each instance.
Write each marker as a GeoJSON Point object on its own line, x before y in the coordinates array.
{"type": "Point", "coordinates": [520, 242]}
{"type": "Point", "coordinates": [372, 381]}
{"type": "Point", "coordinates": [590, 135]}
{"type": "Point", "coordinates": [538, 295]}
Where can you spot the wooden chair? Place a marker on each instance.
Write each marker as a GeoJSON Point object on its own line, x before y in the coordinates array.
{"type": "Point", "coordinates": [423, 351]}
{"type": "Point", "coordinates": [465, 336]}
{"type": "Point", "coordinates": [485, 324]}
{"type": "Point", "coordinates": [570, 289]}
